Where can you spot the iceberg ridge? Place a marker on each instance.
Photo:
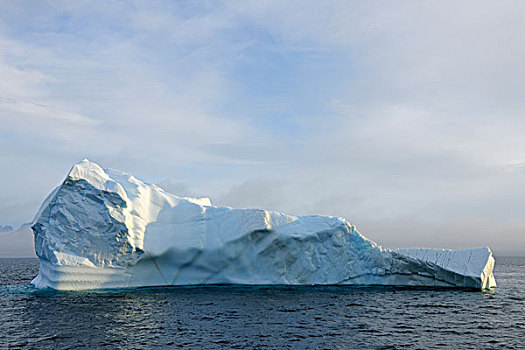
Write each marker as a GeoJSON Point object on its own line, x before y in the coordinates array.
{"type": "Point", "coordinates": [102, 228]}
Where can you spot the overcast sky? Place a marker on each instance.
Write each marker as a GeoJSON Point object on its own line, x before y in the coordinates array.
{"type": "Point", "coordinates": [405, 117]}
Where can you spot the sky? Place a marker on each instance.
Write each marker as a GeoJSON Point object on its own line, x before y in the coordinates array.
{"type": "Point", "coordinates": [406, 117]}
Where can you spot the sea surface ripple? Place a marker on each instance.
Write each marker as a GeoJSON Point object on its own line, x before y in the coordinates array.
{"type": "Point", "coordinates": [232, 317]}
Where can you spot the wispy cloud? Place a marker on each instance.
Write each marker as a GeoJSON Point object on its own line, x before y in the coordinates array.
{"type": "Point", "coordinates": [42, 110]}
{"type": "Point", "coordinates": [380, 112]}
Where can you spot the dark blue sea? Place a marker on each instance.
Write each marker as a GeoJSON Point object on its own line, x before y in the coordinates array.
{"type": "Point", "coordinates": [262, 317]}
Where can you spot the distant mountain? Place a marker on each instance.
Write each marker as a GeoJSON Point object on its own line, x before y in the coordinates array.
{"type": "Point", "coordinates": [6, 228]}
{"type": "Point", "coordinates": [26, 225]}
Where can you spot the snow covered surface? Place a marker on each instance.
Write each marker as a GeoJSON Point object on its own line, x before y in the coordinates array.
{"type": "Point", "coordinates": [102, 228]}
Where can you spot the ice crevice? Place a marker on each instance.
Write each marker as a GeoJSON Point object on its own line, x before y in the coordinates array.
{"type": "Point", "coordinates": [102, 228]}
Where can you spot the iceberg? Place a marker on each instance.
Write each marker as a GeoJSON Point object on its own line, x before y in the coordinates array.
{"type": "Point", "coordinates": [102, 228]}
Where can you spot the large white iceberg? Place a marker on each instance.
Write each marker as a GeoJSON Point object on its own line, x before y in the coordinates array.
{"type": "Point", "coordinates": [102, 228]}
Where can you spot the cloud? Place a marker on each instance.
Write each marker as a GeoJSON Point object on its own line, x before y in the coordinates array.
{"type": "Point", "coordinates": [178, 188]}
{"type": "Point", "coordinates": [41, 110]}
{"type": "Point", "coordinates": [504, 237]}
{"type": "Point", "coordinates": [261, 193]}
{"type": "Point", "coordinates": [379, 112]}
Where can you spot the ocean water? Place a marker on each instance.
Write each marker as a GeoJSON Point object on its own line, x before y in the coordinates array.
{"type": "Point", "coordinates": [262, 317]}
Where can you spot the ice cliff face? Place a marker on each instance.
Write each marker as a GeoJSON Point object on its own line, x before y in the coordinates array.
{"type": "Point", "coordinates": [105, 229]}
